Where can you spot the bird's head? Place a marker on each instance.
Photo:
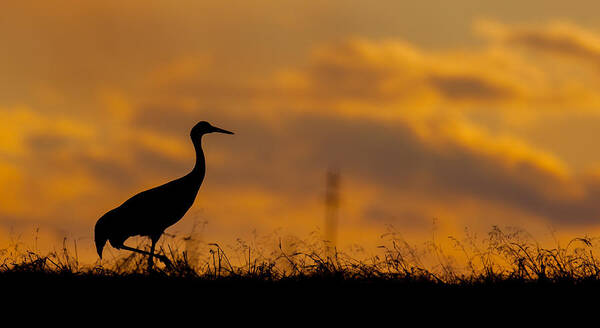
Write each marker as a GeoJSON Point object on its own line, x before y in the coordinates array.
{"type": "Point", "coordinates": [203, 128]}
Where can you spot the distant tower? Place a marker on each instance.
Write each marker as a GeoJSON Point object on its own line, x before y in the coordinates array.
{"type": "Point", "coordinates": [332, 204]}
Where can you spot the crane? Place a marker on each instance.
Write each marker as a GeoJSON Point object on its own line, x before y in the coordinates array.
{"type": "Point", "coordinates": [150, 212]}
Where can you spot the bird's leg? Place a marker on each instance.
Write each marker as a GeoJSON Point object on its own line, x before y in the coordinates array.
{"type": "Point", "coordinates": [164, 259]}
{"type": "Point", "coordinates": [151, 257]}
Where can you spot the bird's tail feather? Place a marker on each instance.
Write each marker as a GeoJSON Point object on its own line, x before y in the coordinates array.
{"type": "Point", "coordinates": [100, 246]}
{"type": "Point", "coordinates": [100, 236]}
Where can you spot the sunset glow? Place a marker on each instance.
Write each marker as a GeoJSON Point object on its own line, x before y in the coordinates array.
{"type": "Point", "coordinates": [439, 115]}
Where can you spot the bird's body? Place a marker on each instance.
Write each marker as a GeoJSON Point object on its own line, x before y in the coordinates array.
{"type": "Point", "coordinates": [150, 212]}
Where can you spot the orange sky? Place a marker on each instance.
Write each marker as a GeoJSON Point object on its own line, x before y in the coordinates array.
{"type": "Point", "coordinates": [474, 113]}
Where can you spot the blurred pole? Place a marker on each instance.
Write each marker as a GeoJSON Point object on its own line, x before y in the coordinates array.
{"type": "Point", "coordinates": [332, 204]}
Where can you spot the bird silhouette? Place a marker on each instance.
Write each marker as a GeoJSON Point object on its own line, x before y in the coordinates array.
{"type": "Point", "coordinates": [150, 212]}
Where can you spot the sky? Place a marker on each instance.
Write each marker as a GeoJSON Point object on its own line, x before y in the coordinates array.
{"type": "Point", "coordinates": [440, 116]}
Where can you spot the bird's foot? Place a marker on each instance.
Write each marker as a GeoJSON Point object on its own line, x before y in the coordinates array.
{"type": "Point", "coordinates": [166, 261]}
{"type": "Point", "coordinates": [161, 258]}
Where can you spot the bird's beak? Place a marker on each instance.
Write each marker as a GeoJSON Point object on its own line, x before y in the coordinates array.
{"type": "Point", "coordinates": [216, 129]}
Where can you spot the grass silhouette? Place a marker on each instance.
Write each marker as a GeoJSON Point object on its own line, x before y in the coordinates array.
{"type": "Point", "coordinates": [505, 257]}
{"type": "Point", "coordinates": [503, 274]}
{"type": "Point", "coordinates": [507, 269]}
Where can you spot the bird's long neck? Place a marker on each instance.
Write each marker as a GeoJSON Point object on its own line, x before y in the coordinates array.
{"type": "Point", "coordinates": [200, 167]}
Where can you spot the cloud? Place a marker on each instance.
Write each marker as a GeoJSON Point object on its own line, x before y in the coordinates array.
{"type": "Point", "coordinates": [459, 87]}
{"type": "Point", "coordinates": [438, 163]}
{"type": "Point", "coordinates": [397, 118]}
{"type": "Point", "coordinates": [558, 38]}
{"type": "Point", "coordinates": [393, 72]}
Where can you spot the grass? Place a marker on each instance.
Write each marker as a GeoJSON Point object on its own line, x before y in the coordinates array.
{"type": "Point", "coordinates": [506, 263]}
{"type": "Point", "coordinates": [507, 268]}
{"type": "Point", "coordinates": [505, 255]}
{"type": "Point", "coordinates": [505, 277]}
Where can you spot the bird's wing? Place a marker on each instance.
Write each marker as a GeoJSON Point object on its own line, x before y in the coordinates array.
{"type": "Point", "coordinates": [162, 205]}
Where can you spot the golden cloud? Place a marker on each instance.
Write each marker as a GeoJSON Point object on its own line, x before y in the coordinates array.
{"type": "Point", "coordinates": [558, 38]}
{"type": "Point", "coordinates": [397, 118]}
